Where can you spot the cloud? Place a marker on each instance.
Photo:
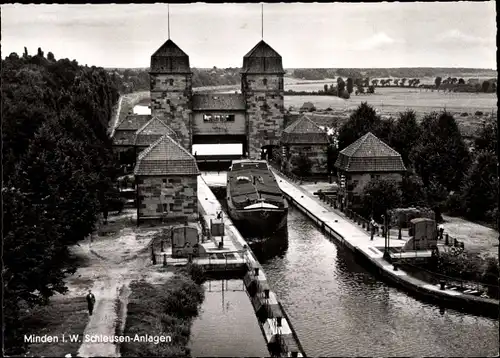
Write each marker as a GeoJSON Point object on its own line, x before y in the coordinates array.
{"type": "Point", "coordinates": [378, 40]}
{"type": "Point", "coordinates": [458, 36]}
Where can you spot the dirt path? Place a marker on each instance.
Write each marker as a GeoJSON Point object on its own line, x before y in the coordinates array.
{"type": "Point", "coordinates": [111, 264]}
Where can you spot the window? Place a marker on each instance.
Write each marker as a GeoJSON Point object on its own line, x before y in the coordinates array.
{"type": "Point", "coordinates": [281, 84]}
{"type": "Point", "coordinates": [171, 82]}
{"type": "Point", "coordinates": [171, 206]}
{"type": "Point", "coordinates": [264, 81]}
{"type": "Point", "coordinates": [218, 118]}
{"type": "Point", "coordinates": [165, 208]}
{"type": "Point", "coordinates": [164, 181]}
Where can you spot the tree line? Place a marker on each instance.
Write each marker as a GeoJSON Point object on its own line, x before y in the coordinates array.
{"type": "Point", "coordinates": [58, 171]}
{"type": "Point", "coordinates": [442, 173]}
{"type": "Point", "coordinates": [128, 81]}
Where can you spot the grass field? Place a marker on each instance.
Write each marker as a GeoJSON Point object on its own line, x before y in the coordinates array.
{"type": "Point", "coordinates": [63, 315]}
{"type": "Point", "coordinates": [393, 100]}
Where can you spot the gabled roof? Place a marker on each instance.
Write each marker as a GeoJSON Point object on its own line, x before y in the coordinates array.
{"type": "Point", "coordinates": [133, 122]}
{"type": "Point", "coordinates": [219, 101]}
{"type": "Point", "coordinates": [152, 131]}
{"type": "Point", "coordinates": [369, 154]}
{"type": "Point", "coordinates": [262, 59]}
{"type": "Point", "coordinates": [169, 58]}
{"type": "Point", "coordinates": [304, 131]}
{"type": "Point", "coordinates": [165, 157]}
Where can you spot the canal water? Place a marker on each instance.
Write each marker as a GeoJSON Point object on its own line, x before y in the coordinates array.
{"type": "Point", "coordinates": [339, 308]}
{"type": "Point", "coordinates": [227, 325]}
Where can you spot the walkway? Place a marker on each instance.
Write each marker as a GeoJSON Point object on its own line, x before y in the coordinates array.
{"type": "Point", "coordinates": [356, 238]}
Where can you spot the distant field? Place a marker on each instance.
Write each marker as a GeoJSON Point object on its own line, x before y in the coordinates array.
{"type": "Point", "coordinates": [398, 99]}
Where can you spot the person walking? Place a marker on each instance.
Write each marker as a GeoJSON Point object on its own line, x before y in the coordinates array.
{"type": "Point", "coordinates": [90, 302]}
{"type": "Point", "coordinates": [441, 231]}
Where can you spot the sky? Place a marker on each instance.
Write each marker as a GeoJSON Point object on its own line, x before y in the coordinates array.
{"type": "Point", "coordinates": [320, 35]}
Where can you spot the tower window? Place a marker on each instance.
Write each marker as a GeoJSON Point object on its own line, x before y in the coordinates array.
{"type": "Point", "coordinates": [264, 81]}
{"type": "Point", "coordinates": [171, 82]}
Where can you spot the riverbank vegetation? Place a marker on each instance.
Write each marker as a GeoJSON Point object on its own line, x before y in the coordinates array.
{"type": "Point", "coordinates": [442, 172]}
{"type": "Point", "coordinates": [58, 171]}
{"type": "Point", "coordinates": [164, 310]}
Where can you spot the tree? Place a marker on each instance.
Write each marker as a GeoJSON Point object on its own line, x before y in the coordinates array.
{"type": "Point", "coordinates": [332, 152]}
{"type": "Point", "coordinates": [479, 192]}
{"type": "Point", "coordinates": [366, 82]}
{"type": "Point", "coordinates": [413, 191]}
{"type": "Point", "coordinates": [360, 89]}
{"type": "Point", "coordinates": [349, 85]}
{"type": "Point", "coordinates": [486, 137]}
{"type": "Point", "coordinates": [302, 165]}
{"type": "Point", "coordinates": [340, 85]}
{"type": "Point", "coordinates": [375, 83]}
{"type": "Point", "coordinates": [325, 88]}
{"type": "Point", "coordinates": [485, 86]}
{"type": "Point", "coordinates": [371, 89]}
{"type": "Point", "coordinates": [403, 80]}
{"type": "Point", "coordinates": [441, 153]}
{"type": "Point", "coordinates": [416, 81]}
{"type": "Point", "coordinates": [461, 81]}
{"type": "Point", "coordinates": [454, 80]}
{"type": "Point", "coordinates": [438, 81]}
{"type": "Point", "coordinates": [380, 196]}
{"type": "Point", "coordinates": [406, 135]}
{"type": "Point", "coordinates": [363, 120]}
{"type": "Point", "coordinates": [388, 81]}
{"type": "Point", "coordinates": [396, 82]}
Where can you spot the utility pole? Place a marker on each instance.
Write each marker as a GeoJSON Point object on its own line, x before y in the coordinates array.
{"type": "Point", "coordinates": [168, 20]}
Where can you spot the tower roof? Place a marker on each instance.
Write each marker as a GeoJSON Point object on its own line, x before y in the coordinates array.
{"type": "Point", "coordinates": [165, 157]}
{"type": "Point", "coordinates": [369, 154]}
{"type": "Point", "coordinates": [169, 58]}
{"type": "Point", "coordinates": [262, 59]}
{"type": "Point", "coordinates": [304, 131]}
{"type": "Point", "coordinates": [152, 131]}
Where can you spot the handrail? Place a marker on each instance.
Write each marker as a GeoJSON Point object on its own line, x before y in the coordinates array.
{"type": "Point", "coordinates": [466, 283]}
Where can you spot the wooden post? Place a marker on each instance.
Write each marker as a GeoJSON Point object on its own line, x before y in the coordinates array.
{"type": "Point", "coordinates": [164, 260]}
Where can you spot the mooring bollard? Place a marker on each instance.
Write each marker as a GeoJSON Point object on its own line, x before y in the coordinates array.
{"type": "Point", "coordinates": [161, 245]}
{"type": "Point", "coordinates": [153, 256]}
{"type": "Point", "coordinates": [447, 240]}
{"type": "Point", "coordinates": [395, 266]}
{"type": "Point", "coordinates": [278, 321]}
{"type": "Point", "coordinates": [266, 293]}
{"type": "Point", "coordinates": [164, 259]}
{"type": "Point", "coordinates": [256, 271]}
{"type": "Point", "coordinates": [442, 284]}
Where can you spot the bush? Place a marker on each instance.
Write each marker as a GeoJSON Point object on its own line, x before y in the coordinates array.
{"type": "Point", "coordinates": [345, 95]}
{"type": "Point", "coordinates": [490, 276]}
{"type": "Point", "coordinates": [479, 113]}
{"type": "Point", "coordinates": [162, 310]}
{"type": "Point", "coordinates": [464, 114]}
{"type": "Point", "coordinates": [197, 273]}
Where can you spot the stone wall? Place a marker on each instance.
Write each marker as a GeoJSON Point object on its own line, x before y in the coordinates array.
{"type": "Point", "coordinates": [167, 197]}
{"type": "Point", "coordinates": [316, 153]}
{"type": "Point", "coordinates": [265, 110]}
{"type": "Point", "coordinates": [171, 101]}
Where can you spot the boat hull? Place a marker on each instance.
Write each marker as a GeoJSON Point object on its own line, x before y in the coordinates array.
{"type": "Point", "coordinates": [259, 222]}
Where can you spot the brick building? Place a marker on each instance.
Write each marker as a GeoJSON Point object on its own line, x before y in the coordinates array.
{"type": "Point", "coordinates": [366, 159]}
{"type": "Point", "coordinates": [305, 136]}
{"type": "Point", "coordinates": [166, 182]}
{"type": "Point", "coordinates": [124, 136]}
{"type": "Point", "coordinates": [256, 115]}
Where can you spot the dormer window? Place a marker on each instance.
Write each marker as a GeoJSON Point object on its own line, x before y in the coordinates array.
{"type": "Point", "coordinates": [264, 81]}
{"type": "Point", "coordinates": [171, 82]}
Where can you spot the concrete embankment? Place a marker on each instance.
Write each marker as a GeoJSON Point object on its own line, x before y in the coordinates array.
{"type": "Point", "coordinates": [273, 320]}
{"type": "Point", "coordinates": [358, 240]}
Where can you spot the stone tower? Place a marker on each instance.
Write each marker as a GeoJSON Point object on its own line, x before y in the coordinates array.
{"type": "Point", "coordinates": [172, 90]}
{"type": "Point", "coordinates": [263, 89]}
